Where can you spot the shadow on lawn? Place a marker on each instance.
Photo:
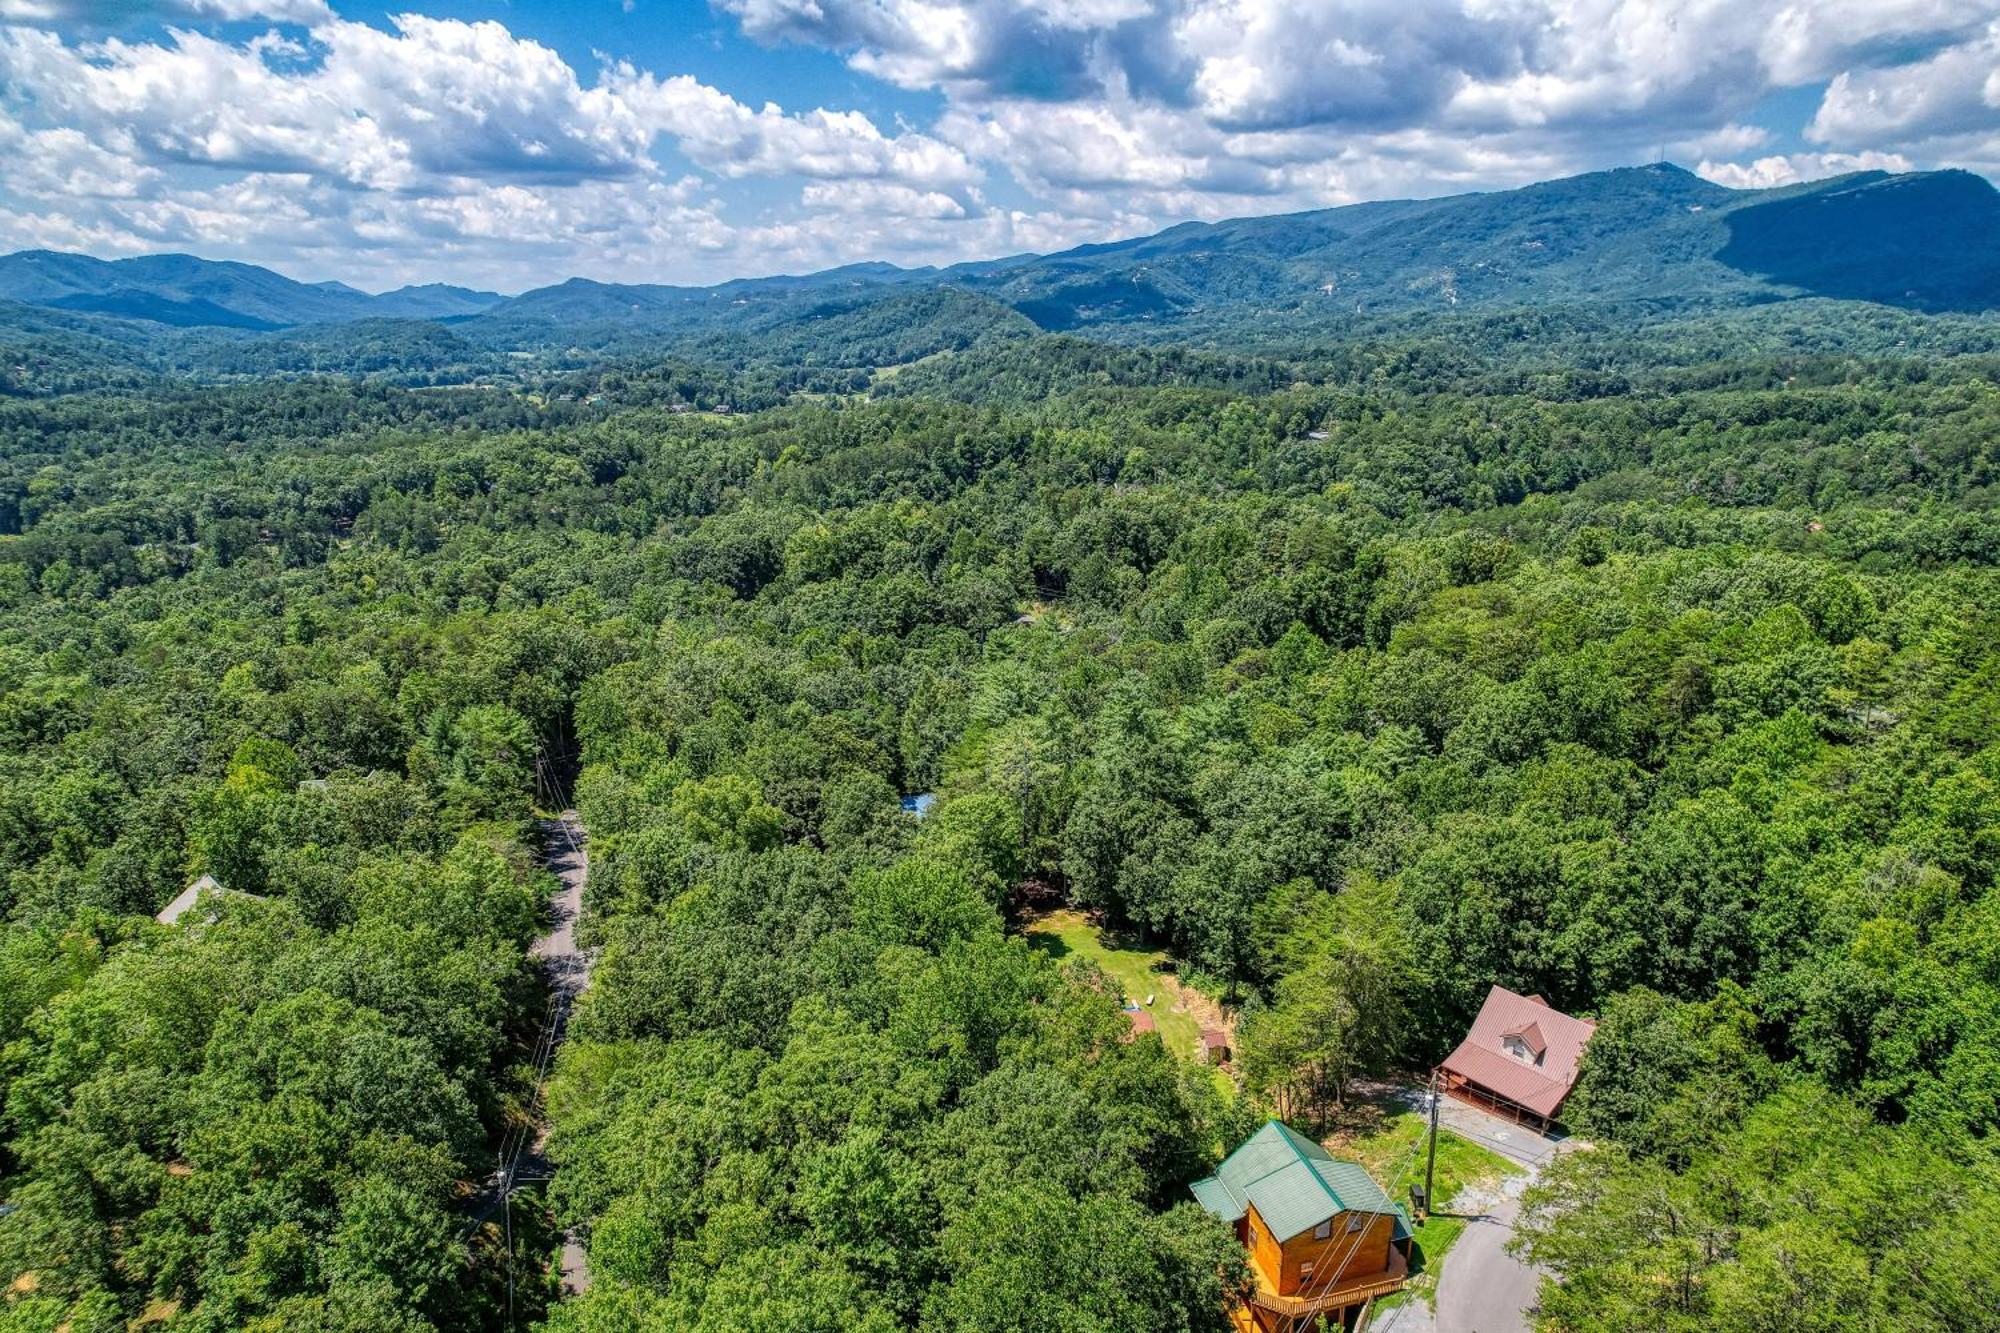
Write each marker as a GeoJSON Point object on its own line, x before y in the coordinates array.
{"type": "Point", "coordinates": [1050, 943]}
{"type": "Point", "coordinates": [1364, 1116]}
{"type": "Point", "coordinates": [1419, 1259]}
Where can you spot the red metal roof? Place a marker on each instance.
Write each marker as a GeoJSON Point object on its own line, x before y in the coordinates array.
{"type": "Point", "coordinates": [1540, 1086]}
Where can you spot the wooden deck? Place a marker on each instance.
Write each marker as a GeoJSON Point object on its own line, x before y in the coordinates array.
{"type": "Point", "coordinates": [1285, 1313]}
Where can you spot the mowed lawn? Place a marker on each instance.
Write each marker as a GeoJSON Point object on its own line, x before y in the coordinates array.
{"type": "Point", "coordinates": [1176, 1009]}
{"type": "Point", "coordinates": [1394, 1154]}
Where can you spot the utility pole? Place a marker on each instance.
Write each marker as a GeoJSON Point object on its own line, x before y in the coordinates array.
{"type": "Point", "coordinates": [1431, 1162]}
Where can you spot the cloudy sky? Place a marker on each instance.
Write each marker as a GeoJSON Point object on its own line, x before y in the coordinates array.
{"type": "Point", "coordinates": [512, 144]}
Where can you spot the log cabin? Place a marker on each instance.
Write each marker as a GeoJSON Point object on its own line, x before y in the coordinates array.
{"type": "Point", "coordinates": [1323, 1239]}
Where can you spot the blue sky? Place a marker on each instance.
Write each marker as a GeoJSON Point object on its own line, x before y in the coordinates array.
{"type": "Point", "coordinates": [513, 144]}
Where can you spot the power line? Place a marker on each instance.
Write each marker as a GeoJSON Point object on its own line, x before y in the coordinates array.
{"type": "Point", "coordinates": [1354, 1248]}
{"type": "Point", "coordinates": [514, 1144]}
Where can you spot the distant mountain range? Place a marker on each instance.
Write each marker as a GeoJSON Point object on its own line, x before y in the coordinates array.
{"type": "Point", "coordinates": [1655, 235]}
{"type": "Point", "coordinates": [187, 292]}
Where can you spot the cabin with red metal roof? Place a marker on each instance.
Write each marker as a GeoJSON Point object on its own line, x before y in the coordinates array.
{"type": "Point", "coordinates": [1520, 1059]}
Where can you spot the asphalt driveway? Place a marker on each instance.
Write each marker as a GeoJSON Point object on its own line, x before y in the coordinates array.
{"type": "Point", "coordinates": [1481, 1287]}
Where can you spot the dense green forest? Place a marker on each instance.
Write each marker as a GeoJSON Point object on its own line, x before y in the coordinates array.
{"type": "Point", "coordinates": [1660, 676]}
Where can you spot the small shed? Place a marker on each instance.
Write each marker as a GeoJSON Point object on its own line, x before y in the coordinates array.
{"type": "Point", "coordinates": [1215, 1046]}
{"type": "Point", "coordinates": [920, 804]}
{"type": "Point", "coordinates": [1141, 1021]}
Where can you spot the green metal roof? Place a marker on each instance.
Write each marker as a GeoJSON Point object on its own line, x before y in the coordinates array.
{"type": "Point", "coordinates": [1213, 1195]}
{"type": "Point", "coordinates": [1293, 1183]}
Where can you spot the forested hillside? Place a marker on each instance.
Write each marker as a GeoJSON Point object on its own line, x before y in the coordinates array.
{"type": "Point", "coordinates": [1633, 246]}
{"type": "Point", "coordinates": [1660, 677]}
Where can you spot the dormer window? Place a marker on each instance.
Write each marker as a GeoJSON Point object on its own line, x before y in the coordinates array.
{"type": "Point", "coordinates": [1524, 1043]}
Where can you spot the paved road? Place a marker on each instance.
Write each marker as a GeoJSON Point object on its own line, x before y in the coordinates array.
{"type": "Point", "coordinates": [564, 852]}
{"type": "Point", "coordinates": [1517, 1143]}
{"type": "Point", "coordinates": [522, 1159]}
{"type": "Point", "coordinates": [568, 971]}
{"type": "Point", "coordinates": [1484, 1289]}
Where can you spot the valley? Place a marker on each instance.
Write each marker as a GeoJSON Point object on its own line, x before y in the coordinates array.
{"type": "Point", "coordinates": [1611, 630]}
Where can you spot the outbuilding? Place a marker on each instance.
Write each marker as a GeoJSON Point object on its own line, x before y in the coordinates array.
{"type": "Point", "coordinates": [205, 893]}
{"type": "Point", "coordinates": [1215, 1046]}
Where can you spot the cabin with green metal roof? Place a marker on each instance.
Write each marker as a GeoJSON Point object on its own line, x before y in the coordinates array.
{"type": "Point", "coordinates": [1323, 1238]}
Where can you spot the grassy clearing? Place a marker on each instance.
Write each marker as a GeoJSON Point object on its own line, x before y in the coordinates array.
{"type": "Point", "coordinates": [1179, 1011]}
{"type": "Point", "coordinates": [1393, 1153]}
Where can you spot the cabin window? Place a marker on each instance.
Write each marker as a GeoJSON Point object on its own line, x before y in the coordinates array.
{"type": "Point", "coordinates": [1354, 1223]}
{"type": "Point", "coordinates": [1323, 1230]}
{"type": "Point", "coordinates": [1305, 1272]}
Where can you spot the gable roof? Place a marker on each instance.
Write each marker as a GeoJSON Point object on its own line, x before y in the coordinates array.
{"type": "Point", "coordinates": [1292, 1182]}
{"type": "Point", "coordinates": [1482, 1058]}
{"type": "Point", "coordinates": [204, 888]}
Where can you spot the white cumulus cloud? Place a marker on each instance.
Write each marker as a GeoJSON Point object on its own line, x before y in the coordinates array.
{"type": "Point", "coordinates": [276, 11]}
{"type": "Point", "coordinates": [428, 142]}
{"type": "Point", "coordinates": [1791, 168]}
{"type": "Point", "coordinates": [427, 145]}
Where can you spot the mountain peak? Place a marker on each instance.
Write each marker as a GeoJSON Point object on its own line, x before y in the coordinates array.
{"type": "Point", "coordinates": [1656, 232]}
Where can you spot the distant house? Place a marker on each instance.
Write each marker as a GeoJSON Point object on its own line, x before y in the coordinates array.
{"type": "Point", "coordinates": [920, 804]}
{"type": "Point", "coordinates": [1519, 1060]}
{"type": "Point", "coordinates": [1322, 1236]}
{"type": "Point", "coordinates": [204, 890]}
{"type": "Point", "coordinates": [1215, 1046]}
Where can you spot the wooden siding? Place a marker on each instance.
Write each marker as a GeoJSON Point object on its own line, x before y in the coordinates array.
{"type": "Point", "coordinates": [1364, 1256]}
{"type": "Point", "coordinates": [1265, 1252]}
{"type": "Point", "coordinates": [1483, 1097]}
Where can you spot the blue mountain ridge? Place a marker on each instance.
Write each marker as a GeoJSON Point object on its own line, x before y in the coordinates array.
{"type": "Point", "coordinates": [1658, 233]}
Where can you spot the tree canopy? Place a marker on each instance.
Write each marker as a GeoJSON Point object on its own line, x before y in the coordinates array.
{"type": "Point", "coordinates": [1654, 676]}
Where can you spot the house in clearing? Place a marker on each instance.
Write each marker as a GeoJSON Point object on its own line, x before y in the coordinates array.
{"type": "Point", "coordinates": [1323, 1238]}
{"type": "Point", "coordinates": [1519, 1060]}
